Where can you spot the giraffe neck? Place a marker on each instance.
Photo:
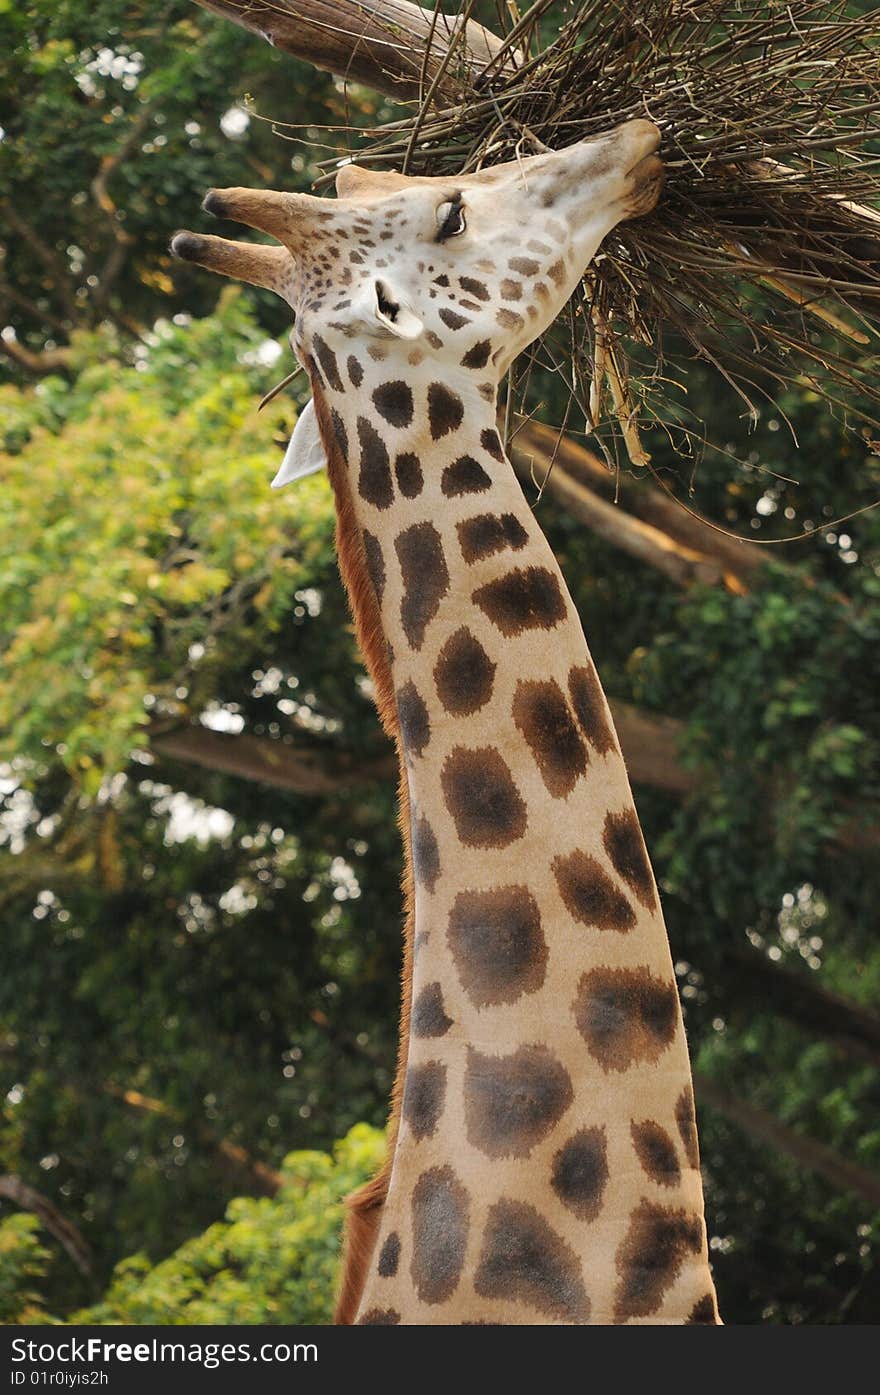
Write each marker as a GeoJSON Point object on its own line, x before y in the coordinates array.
{"type": "Point", "coordinates": [545, 1165]}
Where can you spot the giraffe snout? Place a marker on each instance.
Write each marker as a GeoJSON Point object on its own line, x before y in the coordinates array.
{"type": "Point", "coordinates": [646, 180]}
{"type": "Point", "coordinates": [643, 137]}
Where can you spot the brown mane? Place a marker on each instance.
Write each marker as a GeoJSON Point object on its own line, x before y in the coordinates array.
{"type": "Point", "coordinates": [364, 1207]}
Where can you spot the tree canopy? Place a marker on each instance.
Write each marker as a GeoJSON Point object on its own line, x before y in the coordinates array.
{"type": "Point", "coordinates": [199, 860]}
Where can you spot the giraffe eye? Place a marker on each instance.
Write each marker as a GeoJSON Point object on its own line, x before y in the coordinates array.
{"type": "Point", "coordinates": [450, 219]}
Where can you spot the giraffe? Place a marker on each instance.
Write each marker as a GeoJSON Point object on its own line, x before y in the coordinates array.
{"type": "Point", "coordinates": [543, 1161]}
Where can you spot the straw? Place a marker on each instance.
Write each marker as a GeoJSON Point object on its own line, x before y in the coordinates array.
{"type": "Point", "coordinates": [762, 259]}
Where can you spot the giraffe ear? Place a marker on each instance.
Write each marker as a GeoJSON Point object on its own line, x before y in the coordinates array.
{"type": "Point", "coordinates": [381, 306]}
{"type": "Point", "coordinates": [306, 453]}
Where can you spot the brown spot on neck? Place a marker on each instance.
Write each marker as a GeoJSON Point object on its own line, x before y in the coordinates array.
{"type": "Point", "coordinates": [524, 1260]}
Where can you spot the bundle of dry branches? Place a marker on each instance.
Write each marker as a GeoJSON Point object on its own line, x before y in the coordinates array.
{"type": "Point", "coordinates": [762, 259]}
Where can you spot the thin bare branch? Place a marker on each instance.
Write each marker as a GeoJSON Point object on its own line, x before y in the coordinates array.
{"type": "Point", "coordinates": [739, 559]}
{"type": "Point", "coordinates": [27, 1198]}
{"type": "Point", "coordinates": [122, 240]}
{"type": "Point", "coordinates": [13, 296]}
{"type": "Point", "coordinates": [681, 564]}
{"type": "Point", "coordinates": [52, 260]}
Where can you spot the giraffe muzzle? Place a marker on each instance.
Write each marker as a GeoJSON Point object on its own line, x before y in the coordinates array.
{"type": "Point", "coordinates": [647, 179]}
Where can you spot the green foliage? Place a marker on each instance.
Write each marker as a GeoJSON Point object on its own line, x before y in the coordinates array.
{"type": "Point", "coordinates": [138, 99]}
{"type": "Point", "coordinates": [267, 1261]}
{"type": "Point", "coordinates": [836, 1235]}
{"type": "Point", "coordinates": [776, 682]}
{"type": "Point", "coordinates": [23, 1264]}
{"type": "Point", "coordinates": [219, 975]}
{"type": "Point", "coordinates": [114, 545]}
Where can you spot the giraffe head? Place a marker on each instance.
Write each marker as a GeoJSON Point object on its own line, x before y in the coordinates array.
{"type": "Point", "coordinates": [464, 271]}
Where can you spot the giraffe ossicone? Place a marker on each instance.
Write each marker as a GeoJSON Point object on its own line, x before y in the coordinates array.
{"type": "Point", "coordinates": [542, 1157]}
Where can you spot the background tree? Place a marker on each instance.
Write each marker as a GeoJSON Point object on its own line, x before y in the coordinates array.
{"type": "Point", "coordinates": [199, 862]}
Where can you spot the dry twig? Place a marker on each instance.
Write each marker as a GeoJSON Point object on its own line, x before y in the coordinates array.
{"type": "Point", "coordinates": [766, 272]}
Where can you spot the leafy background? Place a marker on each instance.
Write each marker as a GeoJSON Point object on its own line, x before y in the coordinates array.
{"type": "Point", "coordinates": [199, 991]}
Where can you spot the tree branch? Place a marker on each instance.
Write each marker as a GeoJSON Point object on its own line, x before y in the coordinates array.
{"type": "Point", "coordinates": [381, 43]}
{"type": "Point", "coordinates": [52, 260]}
{"type": "Point", "coordinates": [681, 564]}
{"type": "Point", "coordinates": [263, 1180]}
{"type": "Point", "coordinates": [44, 317]}
{"type": "Point", "coordinates": [842, 1174]}
{"type": "Point", "coordinates": [65, 1232]}
{"type": "Point", "coordinates": [839, 1021]}
{"type": "Point", "coordinates": [307, 770]}
{"type": "Point", "coordinates": [49, 361]}
{"type": "Point", "coordinates": [650, 743]}
{"type": "Point", "coordinates": [648, 740]}
{"type": "Point", "coordinates": [733, 560]}
{"type": "Point", "coordinates": [122, 240]}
